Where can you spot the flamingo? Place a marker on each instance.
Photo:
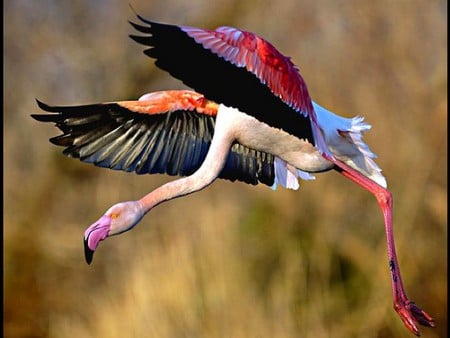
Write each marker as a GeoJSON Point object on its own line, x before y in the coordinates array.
{"type": "Point", "coordinates": [249, 118]}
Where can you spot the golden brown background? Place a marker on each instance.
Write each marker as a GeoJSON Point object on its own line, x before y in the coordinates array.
{"type": "Point", "coordinates": [232, 260]}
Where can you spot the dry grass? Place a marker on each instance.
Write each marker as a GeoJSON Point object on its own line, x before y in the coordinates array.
{"type": "Point", "coordinates": [233, 260]}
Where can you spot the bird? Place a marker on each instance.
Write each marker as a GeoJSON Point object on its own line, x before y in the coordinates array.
{"type": "Point", "coordinates": [247, 116]}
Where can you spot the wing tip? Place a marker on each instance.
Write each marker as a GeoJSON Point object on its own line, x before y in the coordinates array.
{"type": "Point", "coordinates": [39, 117]}
{"type": "Point", "coordinates": [140, 28]}
{"type": "Point", "coordinates": [140, 17]}
{"type": "Point", "coordinates": [143, 40]}
{"type": "Point", "coordinates": [137, 15]}
{"type": "Point", "coordinates": [42, 105]}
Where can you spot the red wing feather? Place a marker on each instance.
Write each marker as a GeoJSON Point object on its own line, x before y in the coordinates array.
{"type": "Point", "coordinates": [258, 56]}
{"type": "Point", "coordinates": [162, 102]}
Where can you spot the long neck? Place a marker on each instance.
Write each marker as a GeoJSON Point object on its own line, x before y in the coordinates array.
{"type": "Point", "coordinates": [204, 176]}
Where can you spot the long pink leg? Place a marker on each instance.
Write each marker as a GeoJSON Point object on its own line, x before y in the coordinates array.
{"type": "Point", "coordinates": [407, 310]}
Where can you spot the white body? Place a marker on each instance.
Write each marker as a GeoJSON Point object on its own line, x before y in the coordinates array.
{"type": "Point", "coordinates": [298, 158]}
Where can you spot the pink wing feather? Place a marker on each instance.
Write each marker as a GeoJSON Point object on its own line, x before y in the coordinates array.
{"type": "Point", "coordinates": [247, 50]}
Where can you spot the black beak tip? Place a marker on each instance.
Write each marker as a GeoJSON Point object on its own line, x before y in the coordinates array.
{"type": "Point", "coordinates": [88, 253]}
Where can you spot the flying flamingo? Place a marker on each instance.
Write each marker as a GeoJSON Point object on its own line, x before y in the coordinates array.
{"type": "Point", "coordinates": [250, 119]}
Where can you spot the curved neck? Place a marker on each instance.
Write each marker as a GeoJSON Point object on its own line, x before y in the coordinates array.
{"type": "Point", "coordinates": [205, 175]}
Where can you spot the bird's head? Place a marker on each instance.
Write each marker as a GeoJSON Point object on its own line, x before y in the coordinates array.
{"type": "Point", "coordinates": [119, 218]}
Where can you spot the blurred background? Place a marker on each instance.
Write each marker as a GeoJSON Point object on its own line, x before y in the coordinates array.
{"type": "Point", "coordinates": [232, 260]}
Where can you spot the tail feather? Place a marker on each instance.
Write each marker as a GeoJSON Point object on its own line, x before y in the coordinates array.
{"type": "Point", "coordinates": [344, 139]}
{"type": "Point", "coordinates": [364, 162]}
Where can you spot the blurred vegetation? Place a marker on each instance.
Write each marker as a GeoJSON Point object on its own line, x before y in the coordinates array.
{"type": "Point", "coordinates": [232, 260]}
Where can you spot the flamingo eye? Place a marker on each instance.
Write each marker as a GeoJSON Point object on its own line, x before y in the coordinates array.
{"type": "Point", "coordinates": [114, 215]}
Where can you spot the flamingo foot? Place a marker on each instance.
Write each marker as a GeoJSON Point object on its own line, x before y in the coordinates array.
{"type": "Point", "coordinates": [410, 313]}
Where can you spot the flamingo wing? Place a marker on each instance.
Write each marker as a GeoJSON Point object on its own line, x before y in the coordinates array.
{"type": "Point", "coordinates": [233, 67]}
{"type": "Point", "coordinates": [136, 136]}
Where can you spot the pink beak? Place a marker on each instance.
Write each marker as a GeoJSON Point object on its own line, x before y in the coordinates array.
{"type": "Point", "coordinates": [97, 232]}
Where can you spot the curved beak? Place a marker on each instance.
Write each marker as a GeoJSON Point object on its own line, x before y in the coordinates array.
{"type": "Point", "coordinates": [97, 232]}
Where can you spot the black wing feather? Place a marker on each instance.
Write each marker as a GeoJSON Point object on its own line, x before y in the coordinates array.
{"type": "Point", "coordinates": [218, 79]}
{"type": "Point", "coordinates": [174, 143]}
